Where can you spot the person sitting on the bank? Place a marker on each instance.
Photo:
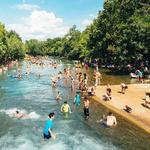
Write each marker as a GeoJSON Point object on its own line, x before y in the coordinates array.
{"type": "Point", "coordinates": [65, 108]}
{"type": "Point", "coordinates": [109, 121]}
{"type": "Point", "coordinates": [107, 95]}
{"type": "Point", "coordinates": [123, 88]}
{"type": "Point", "coordinates": [147, 101]}
{"type": "Point", "coordinates": [91, 91]}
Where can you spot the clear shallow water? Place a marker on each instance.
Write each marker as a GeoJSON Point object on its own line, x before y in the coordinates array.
{"type": "Point", "coordinates": [35, 96]}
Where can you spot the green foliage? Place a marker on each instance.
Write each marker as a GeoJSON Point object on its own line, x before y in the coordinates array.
{"type": "Point", "coordinates": [11, 46]}
{"type": "Point", "coordinates": [120, 35]}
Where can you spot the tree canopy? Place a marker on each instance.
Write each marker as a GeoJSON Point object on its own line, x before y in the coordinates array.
{"type": "Point", "coordinates": [119, 35]}
{"type": "Point", "coordinates": [11, 46]}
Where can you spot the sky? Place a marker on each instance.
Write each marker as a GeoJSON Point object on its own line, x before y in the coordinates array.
{"type": "Point", "coordinates": [42, 19]}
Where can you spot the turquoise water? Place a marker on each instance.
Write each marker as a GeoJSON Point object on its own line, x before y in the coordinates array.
{"type": "Point", "coordinates": [36, 97]}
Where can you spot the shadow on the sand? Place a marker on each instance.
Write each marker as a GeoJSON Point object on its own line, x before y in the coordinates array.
{"type": "Point", "coordinates": [145, 105]}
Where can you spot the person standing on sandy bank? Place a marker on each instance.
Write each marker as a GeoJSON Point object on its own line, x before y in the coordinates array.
{"type": "Point", "coordinates": [98, 77]}
{"type": "Point", "coordinates": [140, 76]}
{"type": "Point", "coordinates": [47, 131]}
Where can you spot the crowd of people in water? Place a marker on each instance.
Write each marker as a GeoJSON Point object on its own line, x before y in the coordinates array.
{"type": "Point", "coordinates": [80, 85]}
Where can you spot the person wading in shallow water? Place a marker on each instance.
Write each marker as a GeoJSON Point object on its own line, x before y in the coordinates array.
{"type": "Point", "coordinates": [47, 131]}
{"type": "Point", "coordinates": [86, 108]}
{"type": "Point", "coordinates": [109, 120]}
{"type": "Point", "coordinates": [58, 97]}
{"type": "Point", "coordinates": [77, 99]}
{"type": "Point", "coordinates": [65, 109]}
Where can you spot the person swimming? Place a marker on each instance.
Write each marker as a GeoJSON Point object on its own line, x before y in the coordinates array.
{"type": "Point", "coordinates": [20, 115]}
{"type": "Point", "coordinates": [58, 97]}
{"type": "Point", "coordinates": [54, 82]}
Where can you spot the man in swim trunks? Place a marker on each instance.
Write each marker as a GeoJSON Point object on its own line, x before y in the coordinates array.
{"type": "Point", "coordinates": [86, 108]}
{"type": "Point", "coordinates": [110, 120]}
{"type": "Point", "coordinates": [58, 97]}
{"type": "Point", "coordinates": [47, 131]}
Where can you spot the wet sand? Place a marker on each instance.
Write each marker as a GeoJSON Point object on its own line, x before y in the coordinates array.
{"type": "Point", "coordinates": [134, 98]}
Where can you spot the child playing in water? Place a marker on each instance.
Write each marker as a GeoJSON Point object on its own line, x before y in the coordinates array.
{"type": "Point", "coordinates": [65, 108]}
{"type": "Point", "coordinates": [77, 99]}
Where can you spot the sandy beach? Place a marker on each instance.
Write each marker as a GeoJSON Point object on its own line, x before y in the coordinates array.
{"type": "Point", "coordinates": [134, 97]}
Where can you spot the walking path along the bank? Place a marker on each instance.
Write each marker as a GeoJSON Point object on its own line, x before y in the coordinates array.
{"type": "Point", "coordinates": [133, 97]}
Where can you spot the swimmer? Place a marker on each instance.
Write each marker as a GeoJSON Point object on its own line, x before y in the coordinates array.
{"type": "Point", "coordinates": [59, 75]}
{"type": "Point", "coordinates": [47, 131]}
{"type": "Point", "coordinates": [54, 81]}
{"type": "Point", "coordinates": [58, 97]}
{"type": "Point", "coordinates": [20, 115]}
{"type": "Point", "coordinates": [55, 65]}
{"type": "Point", "coordinates": [72, 83]}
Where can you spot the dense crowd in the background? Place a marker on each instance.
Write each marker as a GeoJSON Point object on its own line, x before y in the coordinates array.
{"type": "Point", "coordinates": [76, 77]}
{"type": "Point", "coordinates": [119, 37]}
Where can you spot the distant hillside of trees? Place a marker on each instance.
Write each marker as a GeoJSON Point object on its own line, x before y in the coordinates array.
{"type": "Point", "coordinates": [119, 35]}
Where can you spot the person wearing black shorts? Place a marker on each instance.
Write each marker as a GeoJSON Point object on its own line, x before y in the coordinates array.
{"type": "Point", "coordinates": [86, 108]}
